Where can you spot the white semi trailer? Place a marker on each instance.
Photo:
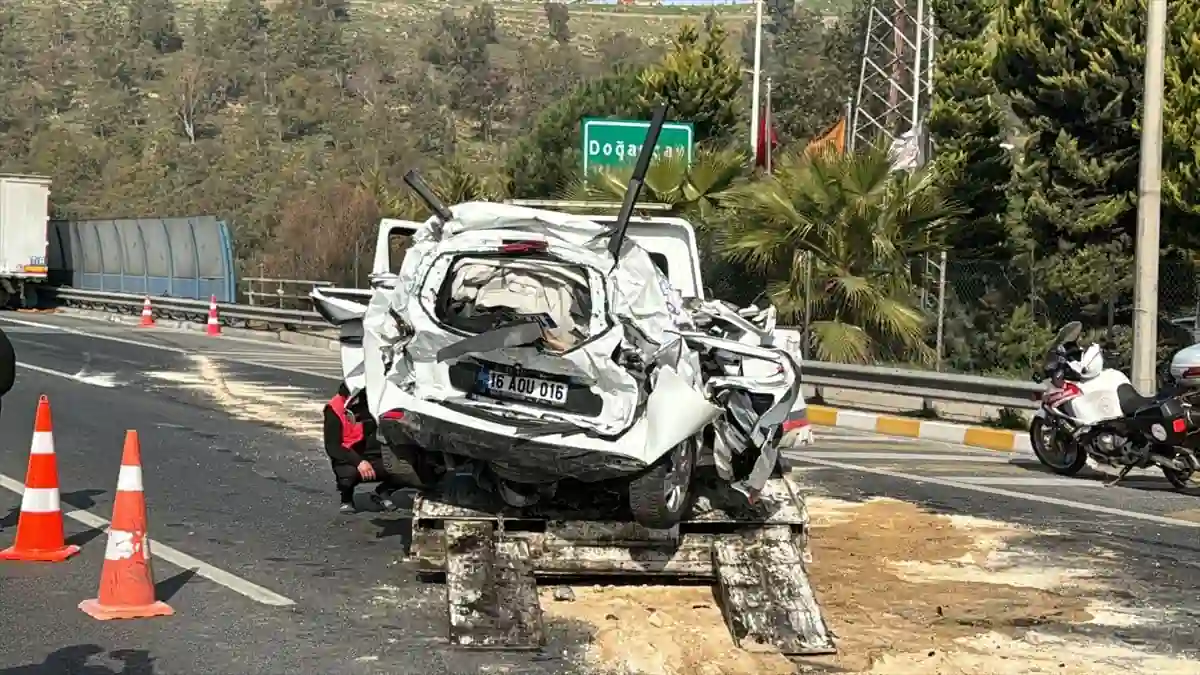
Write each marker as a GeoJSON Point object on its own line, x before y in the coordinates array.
{"type": "Point", "coordinates": [24, 219]}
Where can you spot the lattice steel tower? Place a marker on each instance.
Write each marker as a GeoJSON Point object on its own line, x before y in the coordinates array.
{"type": "Point", "coordinates": [895, 80]}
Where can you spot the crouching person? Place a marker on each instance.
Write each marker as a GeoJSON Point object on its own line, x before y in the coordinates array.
{"type": "Point", "coordinates": [354, 451]}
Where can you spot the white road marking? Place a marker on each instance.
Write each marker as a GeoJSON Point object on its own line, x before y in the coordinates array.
{"type": "Point", "coordinates": [1026, 481]}
{"type": "Point", "coordinates": [99, 379]}
{"type": "Point", "coordinates": [167, 348]}
{"type": "Point", "coordinates": [176, 557]}
{"type": "Point", "coordinates": [903, 456]}
{"type": "Point", "coordinates": [263, 356]}
{"type": "Point", "coordinates": [999, 492]}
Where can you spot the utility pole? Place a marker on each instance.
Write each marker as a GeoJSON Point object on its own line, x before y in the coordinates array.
{"type": "Point", "coordinates": [768, 126]}
{"type": "Point", "coordinates": [1145, 291]}
{"type": "Point", "coordinates": [754, 89]}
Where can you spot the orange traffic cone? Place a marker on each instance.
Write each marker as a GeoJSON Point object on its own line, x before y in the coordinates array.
{"type": "Point", "coordinates": [214, 325]}
{"type": "Point", "coordinates": [147, 314]}
{"type": "Point", "coordinates": [127, 582]}
{"type": "Point", "coordinates": [40, 527]}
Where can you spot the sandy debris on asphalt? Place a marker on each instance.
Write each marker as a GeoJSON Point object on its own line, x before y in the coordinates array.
{"type": "Point", "coordinates": [907, 592]}
{"type": "Point", "coordinates": [291, 408]}
{"type": "Point", "coordinates": [1192, 515]}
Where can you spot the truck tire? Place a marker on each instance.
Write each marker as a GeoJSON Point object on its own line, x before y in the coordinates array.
{"type": "Point", "coordinates": [660, 497]}
{"type": "Point", "coordinates": [29, 296]}
{"type": "Point", "coordinates": [408, 464]}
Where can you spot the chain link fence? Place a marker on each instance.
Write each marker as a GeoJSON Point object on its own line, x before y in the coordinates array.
{"type": "Point", "coordinates": [998, 316]}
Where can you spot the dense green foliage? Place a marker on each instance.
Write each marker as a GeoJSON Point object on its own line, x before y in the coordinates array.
{"type": "Point", "coordinates": [968, 128]}
{"type": "Point", "coordinates": [295, 120]}
{"type": "Point", "coordinates": [1078, 182]}
{"type": "Point", "coordinates": [1072, 73]}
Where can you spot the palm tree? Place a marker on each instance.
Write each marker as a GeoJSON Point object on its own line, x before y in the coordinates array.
{"type": "Point", "coordinates": [859, 222]}
{"type": "Point", "coordinates": [453, 183]}
{"type": "Point", "coordinates": [694, 190]}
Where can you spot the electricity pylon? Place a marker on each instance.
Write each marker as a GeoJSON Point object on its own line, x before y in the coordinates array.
{"type": "Point", "coordinates": [895, 81]}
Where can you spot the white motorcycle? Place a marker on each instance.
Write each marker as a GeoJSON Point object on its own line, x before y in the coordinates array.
{"type": "Point", "coordinates": [1091, 411]}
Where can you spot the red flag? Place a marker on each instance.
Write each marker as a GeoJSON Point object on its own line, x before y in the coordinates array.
{"type": "Point", "coordinates": [766, 134]}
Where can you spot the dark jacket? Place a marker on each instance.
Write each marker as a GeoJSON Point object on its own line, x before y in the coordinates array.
{"type": "Point", "coordinates": [8, 364]}
{"type": "Point", "coordinates": [335, 433]}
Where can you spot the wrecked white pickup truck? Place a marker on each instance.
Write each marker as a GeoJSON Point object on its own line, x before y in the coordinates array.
{"type": "Point", "coordinates": [511, 340]}
{"type": "Point", "coordinates": [514, 344]}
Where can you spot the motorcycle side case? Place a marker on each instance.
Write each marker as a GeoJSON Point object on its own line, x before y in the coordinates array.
{"type": "Point", "coordinates": [1187, 359]}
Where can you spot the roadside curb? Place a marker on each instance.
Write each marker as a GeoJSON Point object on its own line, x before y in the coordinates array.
{"type": "Point", "coordinates": [1000, 440]}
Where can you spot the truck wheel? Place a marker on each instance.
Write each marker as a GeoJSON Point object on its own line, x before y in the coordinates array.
{"type": "Point", "coordinates": [29, 296]}
{"type": "Point", "coordinates": [660, 497]}
{"type": "Point", "coordinates": [408, 464]}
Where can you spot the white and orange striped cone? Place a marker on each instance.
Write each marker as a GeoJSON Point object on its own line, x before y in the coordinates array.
{"type": "Point", "coordinates": [147, 315]}
{"type": "Point", "coordinates": [127, 582]}
{"type": "Point", "coordinates": [214, 324]}
{"type": "Point", "coordinates": [40, 535]}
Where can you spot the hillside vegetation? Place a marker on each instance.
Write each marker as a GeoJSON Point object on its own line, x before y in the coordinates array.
{"type": "Point", "coordinates": [295, 120]}
{"type": "Point", "coordinates": [268, 112]}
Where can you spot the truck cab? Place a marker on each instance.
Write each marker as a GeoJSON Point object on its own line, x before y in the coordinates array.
{"type": "Point", "coordinates": [670, 241]}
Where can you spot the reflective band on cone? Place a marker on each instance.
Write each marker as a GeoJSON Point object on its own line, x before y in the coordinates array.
{"type": "Point", "coordinates": [127, 582]}
{"type": "Point", "coordinates": [147, 314]}
{"type": "Point", "coordinates": [40, 536]}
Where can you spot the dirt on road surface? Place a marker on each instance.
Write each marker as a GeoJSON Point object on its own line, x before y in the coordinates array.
{"type": "Point", "coordinates": [906, 592]}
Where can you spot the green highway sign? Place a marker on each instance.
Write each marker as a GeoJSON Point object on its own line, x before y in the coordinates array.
{"type": "Point", "coordinates": [612, 143]}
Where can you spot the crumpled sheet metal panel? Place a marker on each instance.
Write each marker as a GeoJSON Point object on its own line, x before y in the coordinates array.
{"type": "Point", "coordinates": [633, 291]}
{"type": "Point", "coordinates": [635, 311]}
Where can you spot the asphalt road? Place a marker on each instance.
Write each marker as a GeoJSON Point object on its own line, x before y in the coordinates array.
{"type": "Point", "coordinates": [236, 480]}
{"type": "Point", "coordinates": [247, 499]}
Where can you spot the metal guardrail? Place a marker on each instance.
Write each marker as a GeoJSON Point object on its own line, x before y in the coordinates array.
{"type": "Point", "coordinates": [988, 391]}
{"type": "Point", "coordinates": [191, 310]}
{"type": "Point", "coordinates": [936, 386]}
{"type": "Point", "coordinates": [268, 291]}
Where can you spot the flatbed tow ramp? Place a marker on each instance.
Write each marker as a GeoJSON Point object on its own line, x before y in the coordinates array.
{"type": "Point", "coordinates": [491, 557]}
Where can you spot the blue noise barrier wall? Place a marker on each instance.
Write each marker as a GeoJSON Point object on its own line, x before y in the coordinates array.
{"type": "Point", "coordinates": [177, 257]}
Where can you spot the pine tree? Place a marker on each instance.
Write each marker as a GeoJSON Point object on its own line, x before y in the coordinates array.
{"type": "Point", "coordinates": [1181, 133]}
{"type": "Point", "coordinates": [968, 128]}
{"type": "Point", "coordinates": [1073, 72]}
{"type": "Point", "coordinates": [700, 80]}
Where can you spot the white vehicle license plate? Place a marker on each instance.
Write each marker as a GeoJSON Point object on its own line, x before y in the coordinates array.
{"type": "Point", "coordinates": [529, 388]}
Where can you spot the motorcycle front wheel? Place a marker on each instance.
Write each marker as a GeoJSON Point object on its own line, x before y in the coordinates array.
{"type": "Point", "coordinates": [1062, 459]}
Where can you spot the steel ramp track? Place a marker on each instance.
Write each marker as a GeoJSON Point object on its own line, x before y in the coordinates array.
{"type": "Point", "coordinates": [490, 590]}
{"type": "Point", "coordinates": [491, 557]}
{"type": "Point", "coordinates": [594, 539]}
{"type": "Point", "coordinates": [765, 595]}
